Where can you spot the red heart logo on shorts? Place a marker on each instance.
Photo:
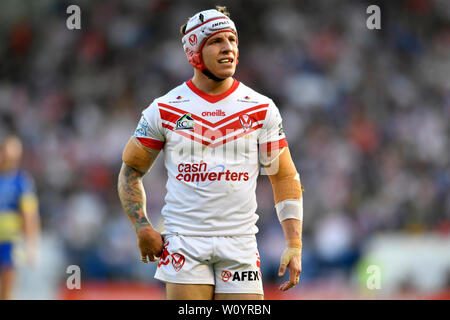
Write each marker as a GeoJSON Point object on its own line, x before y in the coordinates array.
{"type": "Point", "coordinates": [177, 261]}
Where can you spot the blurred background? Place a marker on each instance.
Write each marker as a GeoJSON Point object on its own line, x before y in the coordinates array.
{"type": "Point", "coordinates": [366, 114]}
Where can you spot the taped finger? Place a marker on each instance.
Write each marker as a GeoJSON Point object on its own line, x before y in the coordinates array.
{"type": "Point", "coordinates": [282, 270]}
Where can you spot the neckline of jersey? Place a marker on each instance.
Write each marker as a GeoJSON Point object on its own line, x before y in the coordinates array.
{"type": "Point", "coordinates": [210, 97]}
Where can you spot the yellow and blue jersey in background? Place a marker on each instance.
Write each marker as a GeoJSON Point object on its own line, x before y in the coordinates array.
{"type": "Point", "coordinates": [17, 194]}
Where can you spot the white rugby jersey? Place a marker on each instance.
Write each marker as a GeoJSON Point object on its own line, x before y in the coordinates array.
{"type": "Point", "coordinates": [211, 147]}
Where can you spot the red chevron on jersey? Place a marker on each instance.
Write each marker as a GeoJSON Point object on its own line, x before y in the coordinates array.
{"type": "Point", "coordinates": [195, 117]}
{"type": "Point", "coordinates": [214, 134]}
{"type": "Point", "coordinates": [210, 144]}
{"type": "Point", "coordinates": [184, 134]}
{"type": "Point", "coordinates": [230, 126]}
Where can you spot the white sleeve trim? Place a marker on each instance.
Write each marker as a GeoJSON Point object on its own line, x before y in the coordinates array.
{"type": "Point", "coordinates": [270, 161]}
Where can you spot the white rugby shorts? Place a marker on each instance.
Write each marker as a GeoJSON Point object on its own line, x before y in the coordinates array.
{"type": "Point", "coordinates": [231, 264]}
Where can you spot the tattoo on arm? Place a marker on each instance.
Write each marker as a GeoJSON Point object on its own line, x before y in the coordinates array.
{"type": "Point", "coordinates": [132, 196]}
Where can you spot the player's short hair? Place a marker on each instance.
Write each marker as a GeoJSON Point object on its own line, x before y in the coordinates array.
{"type": "Point", "coordinates": [221, 9]}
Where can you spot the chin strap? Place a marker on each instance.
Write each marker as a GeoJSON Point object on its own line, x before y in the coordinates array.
{"type": "Point", "coordinates": [195, 60]}
{"type": "Point", "coordinates": [209, 74]}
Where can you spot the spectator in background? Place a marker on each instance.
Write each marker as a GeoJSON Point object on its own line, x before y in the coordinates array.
{"type": "Point", "coordinates": [18, 212]}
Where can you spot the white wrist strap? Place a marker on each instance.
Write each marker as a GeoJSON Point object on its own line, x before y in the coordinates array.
{"type": "Point", "coordinates": [290, 209]}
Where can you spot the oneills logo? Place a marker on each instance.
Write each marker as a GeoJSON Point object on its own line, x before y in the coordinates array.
{"type": "Point", "coordinates": [217, 113]}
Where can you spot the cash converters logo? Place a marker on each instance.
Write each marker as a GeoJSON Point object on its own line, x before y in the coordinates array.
{"type": "Point", "coordinates": [199, 172]}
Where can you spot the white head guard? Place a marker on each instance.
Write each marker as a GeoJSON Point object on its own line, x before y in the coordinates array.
{"type": "Point", "coordinates": [199, 28]}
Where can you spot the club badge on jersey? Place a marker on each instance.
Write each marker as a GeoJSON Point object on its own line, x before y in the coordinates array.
{"type": "Point", "coordinates": [186, 122]}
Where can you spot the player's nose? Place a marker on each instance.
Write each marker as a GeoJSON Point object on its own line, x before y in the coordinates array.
{"type": "Point", "coordinates": [227, 46]}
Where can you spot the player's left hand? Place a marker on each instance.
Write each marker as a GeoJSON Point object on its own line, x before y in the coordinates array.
{"type": "Point", "coordinates": [292, 260]}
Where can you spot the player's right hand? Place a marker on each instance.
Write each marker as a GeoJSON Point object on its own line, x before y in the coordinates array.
{"type": "Point", "coordinates": [150, 243]}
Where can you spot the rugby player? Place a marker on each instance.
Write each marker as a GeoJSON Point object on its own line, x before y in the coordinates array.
{"type": "Point", "coordinates": [19, 215]}
{"type": "Point", "coordinates": [216, 134]}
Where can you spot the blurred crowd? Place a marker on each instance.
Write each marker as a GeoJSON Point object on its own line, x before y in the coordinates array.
{"type": "Point", "coordinates": [366, 114]}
